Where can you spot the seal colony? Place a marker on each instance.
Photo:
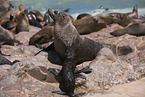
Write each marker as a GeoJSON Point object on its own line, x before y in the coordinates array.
{"type": "Point", "coordinates": [71, 47]}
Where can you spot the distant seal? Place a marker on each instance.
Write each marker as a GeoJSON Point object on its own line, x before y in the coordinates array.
{"type": "Point", "coordinates": [19, 10]}
{"type": "Point", "coordinates": [47, 19]}
{"type": "Point", "coordinates": [126, 18]}
{"type": "Point", "coordinates": [133, 14]}
{"type": "Point", "coordinates": [82, 15]}
{"type": "Point", "coordinates": [32, 19]}
{"type": "Point", "coordinates": [137, 29]}
{"type": "Point", "coordinates": [38, 15]}
{"type": "Point", "coordinates": [88, 24]}
{"type": "Point", "coordinates": [22, 23]}
{"type": "Point", "coordinates": [10, 24]}
{"type": "Point", "coordinates": [6, 36]}
{"type": "Point", "coordinates": [71, 47]}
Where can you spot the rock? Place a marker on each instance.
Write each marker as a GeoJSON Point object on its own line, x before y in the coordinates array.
{"type": "Point", "coordinates": [108, 70]}
{"type": "Point", "coordinates": [122, 45]}
{"type": "Point", "coordinates": [135, 57]}
{"type": "Point", "coordinates": [24, 37]}
{"type": "Point", "coordinates": [21, 80]}
{"type": "Point", "coordinates": [3, 70]}
{"type": "Point", "coordinates": [133, 89]}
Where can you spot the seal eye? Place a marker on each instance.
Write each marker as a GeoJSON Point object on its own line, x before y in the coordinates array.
{"type": "Point", "coordinates": [56, 12]}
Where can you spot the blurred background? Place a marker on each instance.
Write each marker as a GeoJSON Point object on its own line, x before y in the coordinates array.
{"type": "Point", "coordinates": [83, 6]}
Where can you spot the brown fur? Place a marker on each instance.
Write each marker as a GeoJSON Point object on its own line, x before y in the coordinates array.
{"type": "Point", "coordinates": [88, 24]}
{"type": "Point", "coordinates": [137, 29]}
{"type": "Point", "coordinates": [6, 36]}
{"type": "Point", "coordinates": [19, 10]}
{"type": "Point", "coordinates": [38, 15]}
{"type": "Point", "coordinates": [22, 23]}
{"type": "Point", "coordinates": [42, 36]}
{"type": "Point", "coordinates": [71, 47]}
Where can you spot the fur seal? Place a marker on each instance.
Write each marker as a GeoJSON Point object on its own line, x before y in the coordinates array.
{"type": "Point", "coordinates": [32, 19]}
{"type": "Point", "coordinates": [82, 15]}
{"type": "Point", "coordinates": [22, 23]}
{"type": "Point", "coordinates": [42, 36]}
{"type": "Point", "coordinates": [10, 24]}
{"type": "Point", "coordinates": [126, 18]}
{"type": "Point", "coordinates": [38, 15]}
{"type": "Point", "coordinates": [88, 24]}
{"type": "Point", "coordinates": [137, 29]}
{"type": "Point", "coordinates": [71, 47]}
{"type": "Point", "coordinates": [47, 19]}
{"type": "Point", "coordinates": [133, 14]}
{"type": "Point", "coordinates": [6, 36]}
{"type": "Point", "coordinates": [19, 10]}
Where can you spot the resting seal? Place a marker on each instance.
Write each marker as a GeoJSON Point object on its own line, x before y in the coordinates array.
{"type": "Point", "coordinates": [88, 24]}
{"type": "Point", "coordinates": [10, 24]}
{"type": "Point", "coordinates": [137, 29]}
{"type": "Point", "coordinates": [71, 47]}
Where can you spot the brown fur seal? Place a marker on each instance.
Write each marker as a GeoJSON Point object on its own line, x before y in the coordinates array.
{"type": "Point", "coordinates": [71, 47]}
{"type": "Point", "coordinates": [10, 24]}
{"type": "Point", "coordinates": [38, 15]}
{"type": "Point", "coordinates": [82, 15]}
{"type": "Point", "coordinates": [6, 36]}
{"type": "Point", "coordinates": [137, 29]}
{"type": "Point", "coordinates": [19, 10]}
{"type": "Point", "coordinates": [126, 18]}
{"type": "Point", "coordinates": [32, 19]}
{"type": "Point", "coordinates": [133, 14]}
{"type": "Point", "coordinates": [88, 24]}
{"type": "Point", "coordinates": [42, 36]}
{"type": "Point", "coordinates": [107, 19]}
{"type": "Point", "coordinates": [22, 23]}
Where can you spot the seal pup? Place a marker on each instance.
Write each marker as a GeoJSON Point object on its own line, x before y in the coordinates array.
{"type": "Point", "coordinates": [22, 23]}
{"type": "Point", "coordinates": [136, 29]}
{"type": "Point", "coordinates": [71, 47]}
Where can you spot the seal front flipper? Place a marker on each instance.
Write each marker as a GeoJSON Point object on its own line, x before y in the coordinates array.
{"type": "Point", "coordinates": [49, 48]}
